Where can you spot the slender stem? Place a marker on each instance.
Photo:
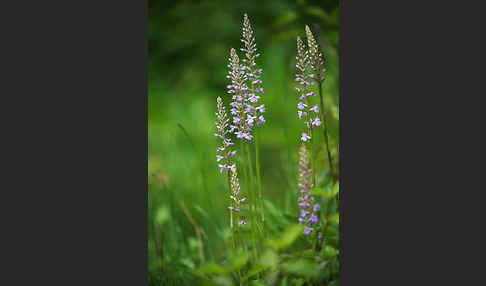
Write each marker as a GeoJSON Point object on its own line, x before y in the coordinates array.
{"type": "Point", "coordinates": [232, 226]}
{"type": "Point", "coordinates": [197, 230]}
{"type": "Point", "coordinates": [242, 242]}
{"type": "Point", "coordinates": [257, 159]}
{"type": "Point", "coordinates": [313, 161]}
{"type": "Point", "coordinates": [231, 213]}
{"type": "Point", "coordinates": [260, 192]}
{"type": "Point", "coordinates": [247, 185]}
{"type": "Point", "coordinates": [324, 125]}
{"type": "Point", "coordinates": [326, 222]}
{"type": "Point", "coordinates": [253, 222]}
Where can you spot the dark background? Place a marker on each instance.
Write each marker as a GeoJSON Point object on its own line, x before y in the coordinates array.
{"type": "Point", "coordinates": [74, 143]}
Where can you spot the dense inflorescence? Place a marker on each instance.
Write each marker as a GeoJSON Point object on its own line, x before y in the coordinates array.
{"type": "Point", "coordinates": [239, 89]}
{"type": "Point", "coordinates": [224, 153]}
{"type": "Point", "coordinates": [315, 59]}
{"type": "Point", "coordinates": [235, 188]}
{"type": "Point", "coordinates": [308, 205]}
{"type": "Point", "coordinates": [310, 114]}
{"type": "Point", "coordinates": [253, 76]}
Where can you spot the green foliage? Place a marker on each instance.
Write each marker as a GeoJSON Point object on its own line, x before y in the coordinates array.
{"type": "Point", "coordinates": [287, 238]}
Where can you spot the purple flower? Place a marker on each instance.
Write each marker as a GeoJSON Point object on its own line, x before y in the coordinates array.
{"type": "Point", "coordinates": [218, 158]}
{"type": "Point", "coordinates": [228, 142]}
{"type": "Point", "coordinates": [260, 120]}
{"type": "Point", "coordinates": [249, 109]}
{"type": "Point", "coordinates": [307, 211]}
{"type": "Point", "coordinates": [261, 108]}
{"type": "Point", "coordinates": [250, 119]}
{"type": "Point", "coordinates": [319, 235]}
{"type": "Point", "coordinates": [314, 108]}
{"type": "Point", "coordinates": [308, 230]}
{"type": "Point", "coordinates": [237, 120]}
{"type": "Point", "coordinates": [221, 168]}
{"type": "Point", "coordinates": [313, 218]}
{"type": "Point", "coordinates": [240, 134]}
{"type": "Point", "coordinates": [305, 137]}
{"type": "Point", "coordinates": [242, 222]}
{"type": "Point", "coordinates": [300, 114]}
{"type": "Point", "coordinates": [247, 136]}
{"type": "Point", "coordinates": [316, 122]}
{"type": "Point", "coordinates": [301, 105]}
{"type": "Point", "coordinates": [304, 204]}
{"type": "Point", "coordinates": [253, 98]}
{"type": "Point", "coordinates": [303, 213]}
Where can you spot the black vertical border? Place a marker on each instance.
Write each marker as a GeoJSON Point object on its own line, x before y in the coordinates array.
{"type": "Point", "coordinates": [74, 101]}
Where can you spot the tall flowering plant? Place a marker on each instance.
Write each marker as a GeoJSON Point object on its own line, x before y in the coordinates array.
{"type": "Point", "coordinates": [310, 71]}
{"type": "Point", "coordinates": [245, 89]}
{"type": "Point", "coordinates": [255, 109]}
{"type": "Point", "coordinates": [316, 63]}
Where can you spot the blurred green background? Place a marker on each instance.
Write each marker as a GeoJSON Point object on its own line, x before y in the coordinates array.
{"type": "Point", "coordinates": [189, 43]}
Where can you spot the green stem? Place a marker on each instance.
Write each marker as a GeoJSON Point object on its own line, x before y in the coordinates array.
{"type": "Point", "coordinates": [326, 139]}
{"type": "Point", "coordinates": [260, 192]}
{"type": "Point", "coordinates": [231, 213]}
{"type": "Point", "coordinates": [253, 222]}
{"type": "Point", "coordinates": [326, 222]}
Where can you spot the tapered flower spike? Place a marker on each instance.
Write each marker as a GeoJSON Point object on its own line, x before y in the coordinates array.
{"type": "Point", "coordinates": [316, 61]}
{"type": "Point", "coordinates": [253, 74]}
{"type": "Point", "coordinates": [235, 187]}
{"type": "Point", "coordinates": [309, 113]}
{"type": "Point", "coordinates": [308, 205]}
{"type": "Point", "coordinates": [239, 90]}
{"type": "Point", "coordinates": [224, 153]}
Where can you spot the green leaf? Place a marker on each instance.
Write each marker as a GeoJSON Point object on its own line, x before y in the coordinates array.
{"type": "Point", "coordinates": [285, 18]}
{"type": "Point", "coordinates": [223, 281]}
{"type": "Point", "coordinates": [187, 262]}
{"type": "Point", "coordinates": [330, 251]}
{"type": "Point", "coordinates": [302, 267]}
{"type": "Point", "coordinates": [318, 12]}
{"type": "Point", "coordinates": [257, 283]}
{"type": "Point", "coordinates": [335, 190]}
{"type": "Point", "coordinates": [269, 258]}
{"type": "Point", "coordinates": [192, 242]}
{"type": "Point", "coordinates": [289, 237]}
{"type": "Point", "coordinates": [213, 268]}
{"type": "Point", "coordinates": [334, 218]}
{"type": "Point", "coordinates": [254, 271]}
{"type": "Point", "coordinates": [329, 194]}
{"type": "Point", "coordinates": [240, 260]}
{"type": "Point", "coordinates": [162, 216]}
{"type": "Point", "coordinates": [298, 282]}
{"type": "Point", "coordinates": [334, 283]}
